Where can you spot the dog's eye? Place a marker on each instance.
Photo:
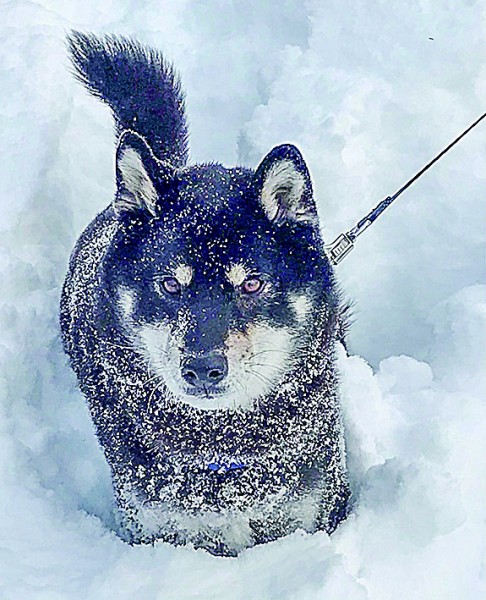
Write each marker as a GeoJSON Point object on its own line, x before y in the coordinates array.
{"type": "Point", "coordinates": [252, 285]}
{"type": "Point", "coordinates": [168, 285]}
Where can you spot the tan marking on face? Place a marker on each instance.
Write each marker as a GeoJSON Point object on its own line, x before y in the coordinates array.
{"type": "Point", "coordinates": [238, 346]}
{"type": "Point", "coordinates": [237, 274]}
{"type": "Point", "coordinates": [183, 274]}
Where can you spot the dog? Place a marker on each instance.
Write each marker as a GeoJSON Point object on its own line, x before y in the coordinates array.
{"type": "Point", "coordinates": [201, 317]}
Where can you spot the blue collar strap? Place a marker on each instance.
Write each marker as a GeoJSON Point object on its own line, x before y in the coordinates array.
{"type": "Point", "coordinates": [225, 466]}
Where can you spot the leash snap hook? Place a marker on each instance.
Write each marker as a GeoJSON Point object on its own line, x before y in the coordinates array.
{"type": "Point", "coordinates": [340, 248]}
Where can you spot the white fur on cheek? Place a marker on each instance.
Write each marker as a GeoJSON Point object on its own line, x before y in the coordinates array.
{"type": "Point", "coordinates": [272, 348]}
{"type": "Point", "coordinates": [160, 345]}
{"type": "Point", "coordinates": [153, 341]}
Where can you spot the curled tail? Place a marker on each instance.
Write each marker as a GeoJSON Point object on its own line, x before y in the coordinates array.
{"type": "Point", "coordinates": [139, 86]}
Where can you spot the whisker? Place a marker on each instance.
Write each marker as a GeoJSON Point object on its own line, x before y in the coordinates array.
{"type": "Point", "coordinates": [266, 351]}
{"type": "Point", "coordinates": [236, 380]}
{"type": "Point", "coordinates": [123, 347]}
{"type": "Point", "coordinates": [254, 364]}
{"type": "Point", "coordinates": [156, 376]}
{"type": "Point", "coordinates": [262, 379]}
{"type": "Point", "coordinates": [153, 392]}
{"type": "Point", "coordinates": [242, 385]}
{"type": "Point", "coordinates": [260, 376]}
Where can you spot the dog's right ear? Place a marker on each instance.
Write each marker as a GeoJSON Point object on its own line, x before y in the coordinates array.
{"type": "Point", "coordinates": [140, 176]}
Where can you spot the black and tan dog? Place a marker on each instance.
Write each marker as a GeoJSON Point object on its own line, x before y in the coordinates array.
{"type": "Point", "coordinates": [201, 314]}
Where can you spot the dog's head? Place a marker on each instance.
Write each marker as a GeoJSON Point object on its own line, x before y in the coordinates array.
{"type": "Point", "coordinates": [216, 272]}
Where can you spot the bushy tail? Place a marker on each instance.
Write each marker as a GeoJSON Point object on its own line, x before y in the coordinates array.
{"type": "Point", "coordinates": [140, 87]}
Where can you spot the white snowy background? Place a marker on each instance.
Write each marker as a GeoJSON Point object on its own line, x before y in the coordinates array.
{"type": "Point", "coordinates": [369, 91]}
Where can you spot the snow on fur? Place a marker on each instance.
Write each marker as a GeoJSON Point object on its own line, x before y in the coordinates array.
{"type": "Point", "coordinates": [370, 97]}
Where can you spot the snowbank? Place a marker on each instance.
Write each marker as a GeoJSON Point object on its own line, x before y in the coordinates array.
{"type": "Point", "coordinates": [368, 97]}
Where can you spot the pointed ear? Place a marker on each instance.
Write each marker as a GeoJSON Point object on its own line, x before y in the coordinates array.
{"type": "Point", "coordinates": [139, 175]}
{"type": "Point", "coordinates": [284, 186]}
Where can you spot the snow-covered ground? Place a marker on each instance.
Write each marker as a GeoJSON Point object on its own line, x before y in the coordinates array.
{"type": "Point", "coordinates": [369, 91]}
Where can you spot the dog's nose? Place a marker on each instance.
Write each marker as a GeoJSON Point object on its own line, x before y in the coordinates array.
{"type": "Point", "coordinates": [206, 370]}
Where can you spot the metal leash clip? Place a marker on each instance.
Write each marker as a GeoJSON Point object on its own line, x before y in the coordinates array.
{"type": "Point", "coordinates": [341, 246]}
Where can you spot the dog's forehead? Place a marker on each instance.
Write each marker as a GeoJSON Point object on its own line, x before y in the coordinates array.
{"type": "Point", "coordinates": [215, 222]}
{"type": "Point", "coordinates": [217, 249]}
{"type": "Point", "coordinates": [212, 188]}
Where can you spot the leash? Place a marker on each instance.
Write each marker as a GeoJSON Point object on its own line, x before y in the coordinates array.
{"type": "Point", "coordinates": [344, 243]}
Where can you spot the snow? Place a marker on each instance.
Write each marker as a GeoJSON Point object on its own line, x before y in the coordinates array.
{"type": "Point", "coordinates": [369, 98]}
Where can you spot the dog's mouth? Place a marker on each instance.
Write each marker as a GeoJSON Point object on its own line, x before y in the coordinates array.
{"type": "Point", "coordinates": [208, 393]}
{"type": "Point", "coordinates": [212, 398]}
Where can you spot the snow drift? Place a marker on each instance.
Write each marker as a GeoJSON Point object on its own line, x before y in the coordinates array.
{"type": "Point", "coordinates": [369, 95]}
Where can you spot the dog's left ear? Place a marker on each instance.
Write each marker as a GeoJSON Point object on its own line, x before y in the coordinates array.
{"type": "Point", "coordinates": [284, 186]}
